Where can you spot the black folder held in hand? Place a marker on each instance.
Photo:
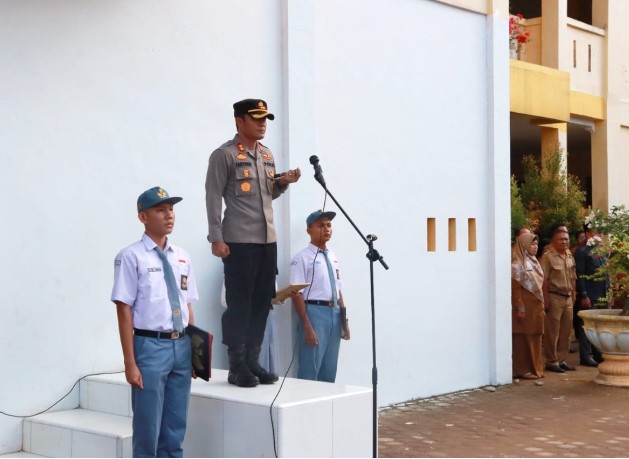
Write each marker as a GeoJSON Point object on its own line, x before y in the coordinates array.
{"type": "Point", "coordinates": [201, 342]}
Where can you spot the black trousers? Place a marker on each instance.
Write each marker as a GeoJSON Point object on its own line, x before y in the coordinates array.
{"type": "Point", "coordinates": [249, 288]}
{"type": "Point", "coordinates": [586, 349]}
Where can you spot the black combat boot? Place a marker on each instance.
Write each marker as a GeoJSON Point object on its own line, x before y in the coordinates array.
{"type": "Point", "coordinates": [265, 377]}
{"type": "Point", "coordinates": [239, 373]}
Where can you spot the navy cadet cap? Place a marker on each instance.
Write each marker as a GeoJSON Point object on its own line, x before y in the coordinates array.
{"type": "Point", "coordinates": [256, 108]}
{"type": "Point", "coordinates": [317, 215]}
{"type": "Point", "coordinates": [154, 196]}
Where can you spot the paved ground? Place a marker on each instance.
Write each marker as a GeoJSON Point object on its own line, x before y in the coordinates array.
{"type": "Point", "coordinates": [569, 416]}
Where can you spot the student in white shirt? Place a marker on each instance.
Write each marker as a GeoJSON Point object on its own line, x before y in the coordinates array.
{"type": "Point", "coordinates": [320, 306]}
{"type": "Point", "coordinates": [152, 316]}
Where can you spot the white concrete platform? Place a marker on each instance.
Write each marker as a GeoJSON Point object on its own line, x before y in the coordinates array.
{"type": "Point", "coordinates": [77, 433]}
{"type": "Point", "coordinates": [308, 419]}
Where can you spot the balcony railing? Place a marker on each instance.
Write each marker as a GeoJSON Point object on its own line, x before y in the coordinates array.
{"type": "Point", "coordinates": [582, 43]}
{"type": "Point", "coordinates": [586, 47]}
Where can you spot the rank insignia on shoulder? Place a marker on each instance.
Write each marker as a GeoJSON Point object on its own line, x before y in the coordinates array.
{"type": "Point", "coordinates": [245, 186]}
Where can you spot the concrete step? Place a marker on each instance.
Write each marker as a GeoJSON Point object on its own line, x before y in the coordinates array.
{"type": "Point", "coordinates": [78, 433]}
{"type": "Point", "coordinates": [106, 394]}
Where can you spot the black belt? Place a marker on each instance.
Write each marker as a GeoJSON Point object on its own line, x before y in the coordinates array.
{"type": "Point", "coordinates": [329, 304]}
{"type": "Point", "coordinates": [565, 295]}
{"type": "Point", "coordinates": [159, 335]}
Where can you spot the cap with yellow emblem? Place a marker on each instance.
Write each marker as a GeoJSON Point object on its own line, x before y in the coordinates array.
{"type": "Point", "coordinates": [256, 108]}
{"type": "Point", "coordinates": [154, 196]}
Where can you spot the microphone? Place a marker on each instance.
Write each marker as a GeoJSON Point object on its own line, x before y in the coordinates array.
{"type": "Point", "coordinates": [314, 160]}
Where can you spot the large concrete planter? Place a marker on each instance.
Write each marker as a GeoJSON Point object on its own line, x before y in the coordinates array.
{"type": "Point", "coordinates": [609, 331]}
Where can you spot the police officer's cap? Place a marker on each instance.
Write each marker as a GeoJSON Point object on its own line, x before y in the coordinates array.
{"type": "Point", "coordinates": [154, 196]}
{"type": "Point", "coordinates": [318, 215]}
{"type": "Point", "coordinates": [256, 108]}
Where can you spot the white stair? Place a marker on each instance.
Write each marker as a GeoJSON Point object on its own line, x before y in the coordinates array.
{"type": "Point", "coordinates": [78, 433]}
{"type": "Point", "coordinates": [310, 419]}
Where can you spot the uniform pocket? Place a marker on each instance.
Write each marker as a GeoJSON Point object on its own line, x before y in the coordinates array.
{"type": "Point", "coordinates": [558, 266]}
{"type": "Point", "coordinates": [245, 185]}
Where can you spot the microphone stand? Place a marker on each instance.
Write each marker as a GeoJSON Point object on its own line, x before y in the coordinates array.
{"type": "Point", "coordinates": [373, 256]}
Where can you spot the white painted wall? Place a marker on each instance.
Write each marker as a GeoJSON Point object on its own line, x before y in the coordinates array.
{"type": "Point", "coordinates": [101, 100]}
{"type": "Point", "coordinates": [402, 135]}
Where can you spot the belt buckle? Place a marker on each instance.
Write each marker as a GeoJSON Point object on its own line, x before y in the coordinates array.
{"type": "Point", "coordinates": [174, 335]}
{"type": "Point", "coordinates": [330, 304]}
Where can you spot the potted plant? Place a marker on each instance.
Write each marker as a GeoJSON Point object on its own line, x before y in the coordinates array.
{"type": "Point", "coordinates": [608, 329]}
{"type": "Point", "coordinates": [518, 35]}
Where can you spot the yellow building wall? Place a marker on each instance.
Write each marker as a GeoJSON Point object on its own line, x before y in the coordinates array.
{"type": "Point", "coordinates": [539, 91]}
{"type": "Point", "coordinates": [587, 105]}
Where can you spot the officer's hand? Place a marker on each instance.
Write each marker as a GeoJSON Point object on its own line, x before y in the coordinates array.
{"type": "Point", "coordinates": [194, 374]}
{"type": "Point", "coordinates": [133, 375]}
{"type": "Point", "coordinates": [290, 177]}
{"type": "Point", "coordinates": [220, 249]}
{"type": "Point", "coordinates": [310, 336]}
{"type": "Point", "coordinates": [521, 315]}
{"type": "Point", "coordinates": [585, 303]}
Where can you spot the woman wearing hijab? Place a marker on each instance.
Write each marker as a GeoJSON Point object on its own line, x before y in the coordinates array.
{"type": "Point", "coordinates": [527, 302]}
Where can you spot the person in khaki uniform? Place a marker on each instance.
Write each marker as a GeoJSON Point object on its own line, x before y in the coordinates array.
{"type": "Point", "coordinates": [559, 296]}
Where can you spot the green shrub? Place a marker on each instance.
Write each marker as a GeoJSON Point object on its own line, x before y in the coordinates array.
{"type": "Point", "coordinates": [549, 196]}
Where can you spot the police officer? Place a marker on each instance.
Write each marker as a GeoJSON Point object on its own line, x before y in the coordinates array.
{"type": "Point", "coordinates": [242, 173]}
{"type": "Point", "coordinates": [154, 288]}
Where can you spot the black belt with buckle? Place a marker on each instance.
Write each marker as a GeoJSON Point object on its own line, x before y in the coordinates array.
{"type": "Point", "coordinates": [159, 335]}
{"type": "Point", "coordinates": [565, 295]}
{"type": "Point", "coordinates": [329, 304]}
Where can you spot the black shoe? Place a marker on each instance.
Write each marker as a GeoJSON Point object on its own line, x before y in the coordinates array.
{"type": "Point", "coordinates": [566, 367]}
{"type": "Point", "coordinates": [252, 355]}
{"type": "Point", "coordinates": [239, 373]}
{"type": "Point", "coordinates": [555, 368]}
{"type": "Point", "coordinates": [589, 362]}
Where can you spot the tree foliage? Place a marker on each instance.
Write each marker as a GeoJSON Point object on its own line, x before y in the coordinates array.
{"type": "Point", "coordinates": [550, 196]}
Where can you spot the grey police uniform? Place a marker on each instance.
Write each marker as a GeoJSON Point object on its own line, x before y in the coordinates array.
{"type": "Point", "coordinates": [241, 177]}
{"type": "Point", "coordinates": [245, 180]}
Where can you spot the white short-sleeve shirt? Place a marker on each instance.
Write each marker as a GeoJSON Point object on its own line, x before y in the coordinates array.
{"type": "Point", "coordinates": [311, 261]}
{"type": "Point", "coordinates": [139, 282]}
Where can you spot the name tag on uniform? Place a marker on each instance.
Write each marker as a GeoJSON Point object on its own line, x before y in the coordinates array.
{"type": "Point", "coordinates": [154, 270]}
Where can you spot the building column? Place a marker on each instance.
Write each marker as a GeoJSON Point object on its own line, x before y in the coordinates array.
{"type": "Point", "coordinates": [600, 176]}
{"type": "Point", "coordinates": [555, 136]}
{"type": "Point", "coordinates": [554, 32]}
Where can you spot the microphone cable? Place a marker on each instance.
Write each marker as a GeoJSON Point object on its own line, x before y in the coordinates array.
{"type": "Point", "coordinates": [292, 359]}
{"type": "Point", "coordinates": [62, 398]}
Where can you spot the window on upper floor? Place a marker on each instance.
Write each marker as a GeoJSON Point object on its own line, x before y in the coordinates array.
{"type": "Point", "coordinates": [527, 8]}
{"type": "Point", "coordinates": [581, 10]}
